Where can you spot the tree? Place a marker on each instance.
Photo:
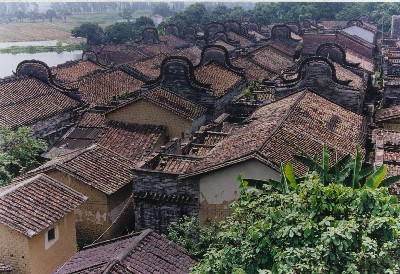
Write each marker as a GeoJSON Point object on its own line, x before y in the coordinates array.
{"type": "Point", "coordinates": [50, 14]}
{"type": "Point", "coordinates": [19, 151]}
{"type": "Point", "coordinates": [20, 15]}
{"type": "Point", "coordinates": [119, 33]}
{"type": "Point", "coordinates": [92, 32]}
{"type": "Point", "coordinates": [144, 22]}
{"type": "Point", "coordinates": [162, 8]}
{"type": "Point", "coordinates": [312, 228]}
{"type": "Point", "coordinates": [127, 13]}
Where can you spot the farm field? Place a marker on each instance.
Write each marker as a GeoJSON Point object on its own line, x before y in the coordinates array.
{"type": "Point", "coordinates": [56, 30]}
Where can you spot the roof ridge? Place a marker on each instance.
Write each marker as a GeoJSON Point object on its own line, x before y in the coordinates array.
{"type": "Point", "coordinates": [284, 118]}
{"type": "Point", "coordinates": [124, 253]}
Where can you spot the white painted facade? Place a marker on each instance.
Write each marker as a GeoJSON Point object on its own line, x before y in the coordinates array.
{"type": "Point", "coordinates": [221, 186]}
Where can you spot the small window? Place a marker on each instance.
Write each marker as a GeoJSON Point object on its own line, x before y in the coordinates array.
{"type": "Point", "coordinates": [51, 237]}
{"type": "Point", "coordinates": [51, 234]}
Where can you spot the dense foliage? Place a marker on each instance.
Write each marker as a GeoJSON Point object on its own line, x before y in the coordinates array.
{"type": "Point", "coordinates": [119, 33]}
{"type": "Point", "coordinates": [281, 12]}
{"type": "Point", "coordinates": [338, 218]}
{"type": "Point", "coordinates": [19, 151]}
{"type": "Point", "coordinates": [189, 234]}
{"type": "Point", "coordinates": [92, 32]}
{"type": "Point", "coordinates": [314, 228]}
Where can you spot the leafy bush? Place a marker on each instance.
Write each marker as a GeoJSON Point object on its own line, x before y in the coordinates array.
{"type": "Point", "coordinates": [19, 151]}
{"type": "Point", "coordinates": [312, 228]}
{"type": "Point", "coordinates": [188, 233]}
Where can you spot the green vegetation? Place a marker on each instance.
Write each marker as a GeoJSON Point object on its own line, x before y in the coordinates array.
{"type": "Point", "coordinates": [188, 233]}
{"type": "Point", "coordinates": [121, 32]}
{"type": "Point", "coordinates": [281, 12]}
{"type": "Point", "coordinates": [335, 219]}
{"type": "Point", "coordinates": [314, 228]}
{"type": "Point", "coordinates": [37, 49]}
{"type": "Point", "coordinates": [19, 151]}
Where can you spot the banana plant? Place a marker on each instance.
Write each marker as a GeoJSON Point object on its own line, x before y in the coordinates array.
{"type": "Point", "coordinates": [288, 180]}
{"type": "Point", "coordinates": [348, 171]}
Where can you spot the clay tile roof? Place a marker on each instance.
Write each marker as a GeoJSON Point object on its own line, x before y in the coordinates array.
{"type": "Point", "coordinates": [304, 119]}
{"type": "Point", "coordinates": [96, 166]}
{"type": "Point", "coordinates": [173, 41]}
{"type": "Point", "coordinates": [100, 89]}
{"type": "Point", "coordinates": [388, 153]}
{"type": "Point", "coordinates": [150, 67]}
{"type": "Point", "coordinates": [5, 268]}
{"type": "Point", "coordinates": [315, 121]}
{"type": "Point", "coordinates": [225, 45]}
{"type": "Point", "coordinates": [72, 71]}
{"type": "Point", "coordinates": [32, 205]}
{"type": "Point", "coordinates": [278, 45]}
{"type": "Point", "coordinates": [311, 42]}
{"type": "Point", "coordinates": [173, 164]}
{"type": "Point", "coordinates": [175, 103]}
{"type": "Point", "coordinates": [344, 74]}
{"type": "Point", "coordinates": [155, 49]}
{"type": "Point", "coordinates": [143, 252]}
{"type": "Point", "coordinates": [334, 24]}
{"type": "Point", "coordinates": [355, 58]}
{"type": "Point", "coordinates": [389, 113]}
{"type": "Point", "coordinates": [131, 141]}
{"type": "Point", "coordinates": [192, 53]}
{"type": "Point", "coordinates": [244, 42]}
{"type": "Point", "coordinates": [254, 72]}
{"type": "Point", "coordinates": [119, 54]}
{"type": "Point", "coordinates": [221, 79]}
{"type": "Point", "coordinates": [272, 59]}
{"type": "Point", "coordinates": [24, 101]}
{"type": "Point", "coordinates": [92, 119]}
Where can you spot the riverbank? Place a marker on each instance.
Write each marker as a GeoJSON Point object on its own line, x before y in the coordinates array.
{"type": "Point", "coordinates": [59, 48]}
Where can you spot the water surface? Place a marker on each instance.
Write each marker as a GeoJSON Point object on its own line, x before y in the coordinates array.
{"type": "Point", "coordinates": [9, 62]}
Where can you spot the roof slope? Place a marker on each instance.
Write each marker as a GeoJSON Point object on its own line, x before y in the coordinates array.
{"type": "Point", "coordinates": [175, 103]}
{"type": "Point", "coordinates": [96, 166]}
{"type": "Point", "coordinates": [26, 100]}
{"type": "Point", "coordinates": [100, 89]}
{"type": "Point", "coordinates": [305, 119]}
{"type": "Point", "coordinates": [221, 79]}
{"type": "Point", "coordinates": [131, 141]}
{"type": "Point", "coordinates": [144, 252]}
{"type": "Point", "coordinates": [387, 151]}
{"type": "Point", "coordinates": [32, 205]}
{"type": "Point", "coordinates": [173, 41]}
{"type": "Point", "coordinates": [72, 71]}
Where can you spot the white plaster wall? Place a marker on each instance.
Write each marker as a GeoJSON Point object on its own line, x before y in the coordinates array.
{"type": "Point", "coordinates": [221, 185]}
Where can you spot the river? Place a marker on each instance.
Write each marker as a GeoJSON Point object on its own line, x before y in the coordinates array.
{"type": "Point", "coordinates": [9, 62]}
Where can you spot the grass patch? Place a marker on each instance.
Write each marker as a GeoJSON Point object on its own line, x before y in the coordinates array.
{"type": "Point", "coordinates": [38, 49]}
